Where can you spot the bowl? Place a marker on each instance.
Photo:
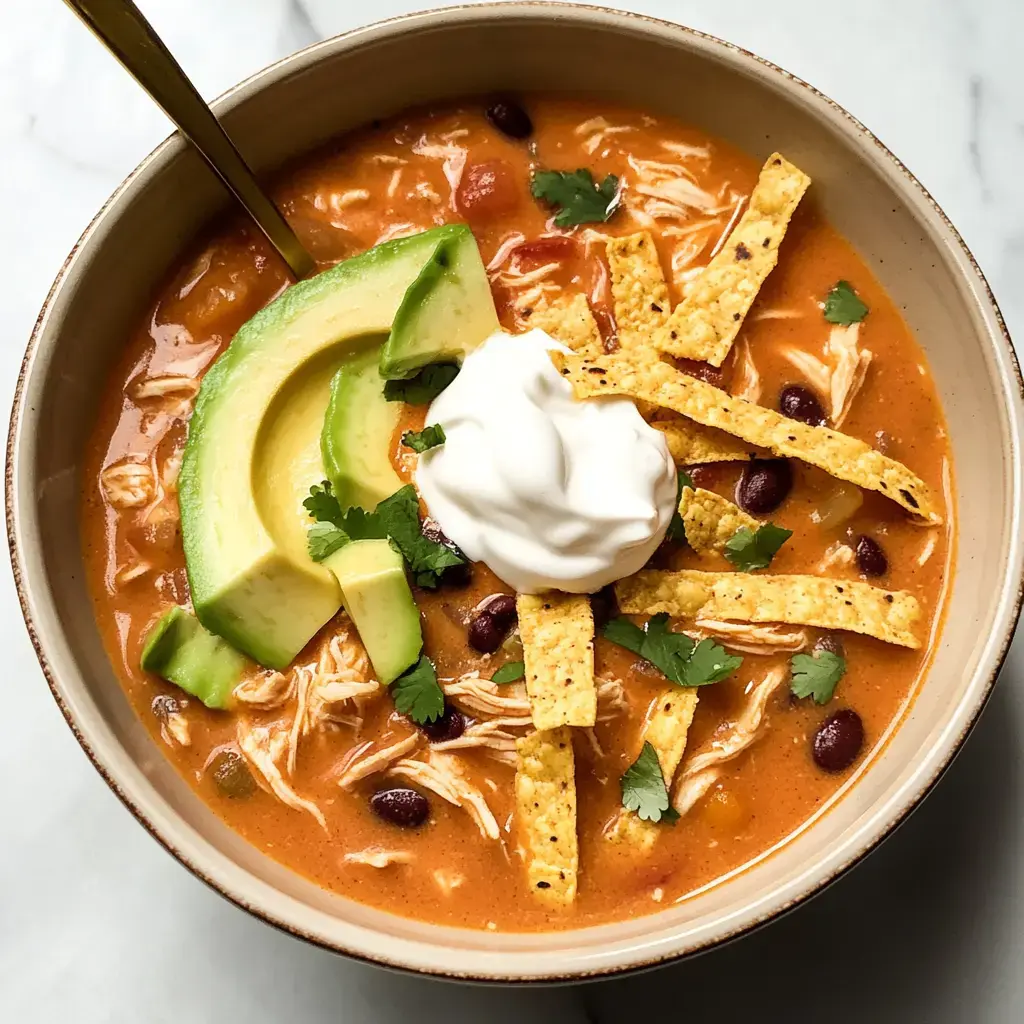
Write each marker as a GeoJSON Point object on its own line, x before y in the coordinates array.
{"type": "Point", "coordinates": [301, 102]}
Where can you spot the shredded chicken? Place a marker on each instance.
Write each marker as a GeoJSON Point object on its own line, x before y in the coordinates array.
{"type": "Point", "coordinates": [174, 730]}
{"type": "Point", "coordinates": [776, 314]}
{"type": "Point", "coordinates": [370, 759]}
{"type": "Point", "coordinates": [389, 160]}
{"type": "Point", "coordinates": [170, 471]}
{"type": "Point", "coordinates": [701, 772]}
{"type": "Point", "coordinates": [442, 774]}
{"type": "Point", "coordinates": [452, 156]}
{"type": "Point", "coordinates": [928, 550]}
{"type": "Point", "coordinates": [817, 373]}
{"type": "Point", "coordinates": [263, 747]}
{"type": "Point", "coordinates": [505, 250]}
{"type": "Point", "coordinates": [837, 555]}
{"type": "Point", "coordinates": [479, 696]}
{"type": "Point", "coordinates": [423, 190]}
{"type": "Point", "coordinates": [129, 483]}
{"type": "Point", "coordinates": [397, 231]}
{"type": "Point", "coordinates": [338, 201]}
{"type": "Point", "coordinates": [596, 131]}
{"type": "Point", "coordinates": [448, 880]}
{"type": "Point", "coordinates": [396, 180]}
{"type": "Point", "coordinates": [375, 857]}
{"type": "Point", "coordinates": [849, 368]}
{"type": "Point", "coordinates": [611, 698]}
{"type": "Point", "coordinates": [131, 572]}
{"type": "Point", "coordinates": [266, 691]}
{"type": "Point", "coordinates": [752, 639]}
{"type": "Point", "coordinates": [514, 278]}
{"type": "Point", "coordinates": [164, 386]}
{"type": "Point", "coordinates": [746, 379]}
{"type": "Point", "coordinates": [595, 744]}
{"type": "Point", "coordinates": [687, 152]}
{"type": "Point", "coordinates": [491, 736]}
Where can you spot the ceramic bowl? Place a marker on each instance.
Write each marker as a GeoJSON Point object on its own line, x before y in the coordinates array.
{"type": "Point", "coordinates": [289, 109]}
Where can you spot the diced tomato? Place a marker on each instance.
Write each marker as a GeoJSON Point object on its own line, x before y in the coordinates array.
{"type": "Point", "coordinates": [548, 249]}
{"type": "Point", "coordinates": [488, 190]}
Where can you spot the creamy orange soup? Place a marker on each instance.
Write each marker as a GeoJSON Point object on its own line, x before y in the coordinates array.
{"type": "Point", "coordinates": [451, 164]}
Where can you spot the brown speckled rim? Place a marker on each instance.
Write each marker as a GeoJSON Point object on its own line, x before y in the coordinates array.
{"type": "Point", "coordinates": [468, 15]}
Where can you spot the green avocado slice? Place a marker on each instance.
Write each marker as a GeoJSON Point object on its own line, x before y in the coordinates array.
{"type": "Point", "coordinates": [378, 599]}
{"type": "Point", "coordinates": [447, 311]}
{"type": "Point", "coordinates": [179, 650]}
{"type": "Point", "coordinates": [356, 438]}
{"type": "Point", "coordinates": [253, 449]}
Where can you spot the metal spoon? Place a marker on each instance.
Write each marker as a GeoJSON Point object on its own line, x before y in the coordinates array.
{"type": "Point", "coordinates": [120, 26]}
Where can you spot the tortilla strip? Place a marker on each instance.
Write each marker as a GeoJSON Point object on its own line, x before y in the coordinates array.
{"type": "Point", "coordinates": [546, 813]}
{"type": "Point", "coordinates": [691, 444]}
{"type": "Point", "coordinates": [841, 456]}
{"type": "Point", "coordinates": [711, 521]}
{"type": "Point", "coordinates": [557, 631]}
{"type": "Point", "coordinates": [705, 324]}
{"type": "Point", "coordinates": [639, 290]}
{"type": "Point", "coordinates": [797, 600]}
{"type": "Point", "coordinates": [666, 730]}
{"type": "Point", "coordinates": [568, 319]}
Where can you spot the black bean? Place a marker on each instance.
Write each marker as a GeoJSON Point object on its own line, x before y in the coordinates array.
{"type": "Point", "coordinates": [871, 558]}
{"type": "Point", "coordinates": [832, 643]}
{"type": "Point", "coordinates": [510, 118]}
{"type": "Point", "coordinates": [503, 608]}
{"type": "Point", "coordinates": [764, 485]}
{"type": "Point", "coordinates": [453, 575]}
{"type": "Point", "coordinates": [604, 606]}
{"type": "Point", "coordinates": [838, 741]}
{"type": "Point", "coordinates": [400, 806]}
{"type": "Point", "coordinates": [800, 403]}
{"type": "Point", "coordinates": [231, 774]}
{"type": "Point", "coordinates": [450, 726]}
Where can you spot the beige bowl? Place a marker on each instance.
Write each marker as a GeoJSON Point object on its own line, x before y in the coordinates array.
{"type": "Point", "coordinates": [289, 109]}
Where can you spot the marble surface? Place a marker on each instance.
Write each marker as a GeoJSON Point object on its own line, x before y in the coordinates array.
{"type": "Point", "coordinates": [98, 924]}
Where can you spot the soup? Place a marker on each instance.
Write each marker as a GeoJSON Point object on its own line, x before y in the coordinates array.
{"type": "Point", "coordinates": [785, 596]}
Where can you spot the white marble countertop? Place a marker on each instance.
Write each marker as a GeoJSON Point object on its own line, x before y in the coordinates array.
{"type": "Point", "coordinates": [98, 924]}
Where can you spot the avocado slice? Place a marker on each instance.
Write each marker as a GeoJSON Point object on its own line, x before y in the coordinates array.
{"type": "Point", "coordinates": [179, 650]}
{"type": "Point", "coordinates": [446, 313]}
{"type": "Point", "coordinates": [356, 438]}
{"type": "Point", "coordinates": [377, 597]}
{"type": "Point", "coordinates": [253, 449]}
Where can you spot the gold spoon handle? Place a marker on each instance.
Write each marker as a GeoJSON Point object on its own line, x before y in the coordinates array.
{"type": "Point", "coordinates": [120, 26]}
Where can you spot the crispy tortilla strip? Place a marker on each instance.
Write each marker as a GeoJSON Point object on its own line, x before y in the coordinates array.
{"type": "Point", "coordinates": [710, 520]}
{"type": "Point", "coordinates": [568, 319]}
{"type": "Point", "coordinates": [557, 631]}
{"type": "Point", "coordinates": [546, 813]}
{"type": "Point", "coordinates": [639, 290]}
{"type": "Point", "coordinates": [841, 456]}
{"type": "Point", "coordinates": [692, 444]}
{"type": "Point", "coordinates": [666, 730]}
{"type": "Point", "coordinates": [707, 321]}
{"type": "Point", "coordinates": [797, 600]}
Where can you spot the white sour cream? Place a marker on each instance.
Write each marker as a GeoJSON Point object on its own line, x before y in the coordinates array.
{"type": "Point", "coordinates": [549, 492]}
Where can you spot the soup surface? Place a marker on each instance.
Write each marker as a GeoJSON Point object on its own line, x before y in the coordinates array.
{"type": "Point", "coordinates": [289, 770]}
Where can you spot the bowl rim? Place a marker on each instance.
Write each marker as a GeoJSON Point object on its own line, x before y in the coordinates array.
{"type": "Point", "coordinates": [738, 59]}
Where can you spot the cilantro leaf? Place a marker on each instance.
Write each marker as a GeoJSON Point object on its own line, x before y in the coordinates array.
{"type": "Point", "coordinates": [644, 789]}
{"type": "Point", "coordinates": [674, 654]}
{"type": "Point", "coordinates": [754, 549]}
{"type": "Point", "coordinates": [418, 694]}
{"type": "Point", "coordinates": [843, 306]}
{"type": "Point", "coordinates": [709, 664]}
{"type": "Point", "coordinates": [816, 676]}
{"type": "Point", "coordinates": [324, 539]}
{"type": "Point", "coordinates": [579, 198]}
{"type": "Point", "coordinates": [428, 558]}
{"type": "Point", "coordinates": [424, 387]}
{"type": "Point", "coordinates": [427, 438]}
{"type": "Point", "coordinates": [510, 672]}
{"type": "Point", "coordinates": [321, 504]}
{"type": "Point", "coordinates": [676, 529]}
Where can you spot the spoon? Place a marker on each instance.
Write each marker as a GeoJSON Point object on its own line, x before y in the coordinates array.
{"type": "Point", "coordinates": [120, 26]}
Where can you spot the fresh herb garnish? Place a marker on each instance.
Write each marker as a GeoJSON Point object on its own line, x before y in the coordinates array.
{"type": "Point", "coordinates": [510, 672]}
{"type": "Point", "coordinates": [334, 528]}
{"type": "Point", "coordinates": [754, 549]}
{"type": "Point", "coordinates": [816, 676]}
{"type": "Point", "coordinates": [400, 518]}
{"type": "Point", "coordinates": [424, 387]}
{"type": "Point", "coordinates": [418, 694]}
{"type": "Point", "coordinates": [424, 440]}
{"type": "Point", "coordinates": [843, 306]}
{"type": "Point", "coordinates": [675, 654]}
{"type": "Point", "coordinates": [676, 527]}
{"type": "Point", "coordinates": [644, 789]}
{"type": "Point", "coordinates": [579, 198]}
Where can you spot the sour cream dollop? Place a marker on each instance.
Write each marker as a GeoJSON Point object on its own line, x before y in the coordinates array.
{"type": "Point", "coordinates": [549, 492]}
